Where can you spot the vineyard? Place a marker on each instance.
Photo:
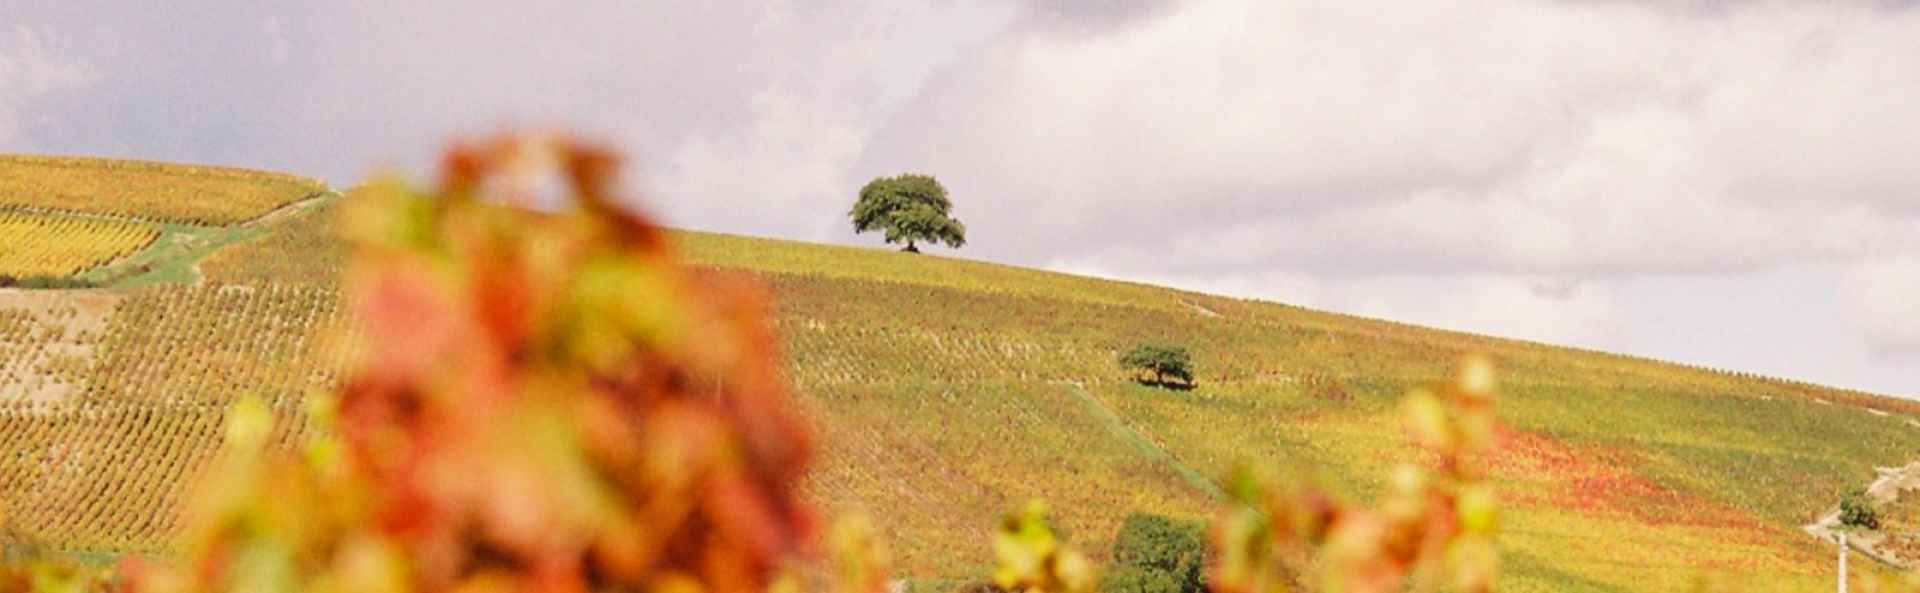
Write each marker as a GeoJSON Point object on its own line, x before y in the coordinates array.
{"type": "Point", "coordinates": [78, 222]}
{"type": "Point", "coordinates": [181, 194]}
{"type": "Point", "coordinates": [52, 245]}
{"type": "Point", "coordinates": [111, 400]}
{"type": "Point", "coordinates": [107, 414]}
{"type": "Point", "coordinates": [1694, 472]}
{"type": "Point", "coordinates": [300, 249]}
{"type": "Point", "coordinates": [947, 391]}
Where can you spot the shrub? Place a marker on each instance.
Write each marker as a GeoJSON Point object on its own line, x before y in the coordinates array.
{"type": "Point", "coordinates": [1157, 554]}
{"type": "Point", "coordinates": [980, 587]}
{"type": "Point", "coordinates": [1163, 361]}
{"type": "Point", "coordinates": [1134, 579]}
{"type": "Point", "coordinates": [1856, 510]}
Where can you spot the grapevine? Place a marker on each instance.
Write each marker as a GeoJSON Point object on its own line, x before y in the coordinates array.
{"type": "Point", "coordinates": [45, 245]}
{"type": "Point", "coordinates": [184, 194]}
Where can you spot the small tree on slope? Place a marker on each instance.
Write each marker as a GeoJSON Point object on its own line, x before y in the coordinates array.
{"type": "Point", "coordinates": [1856, 512]}
{"type": "Point", "coordinates": [1160, 360]}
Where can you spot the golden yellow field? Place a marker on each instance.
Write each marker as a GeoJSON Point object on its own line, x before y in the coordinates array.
{"type": "Point", "coordinates": [54, 245]}
{"type": "Point", "coordinates": [185, 194]}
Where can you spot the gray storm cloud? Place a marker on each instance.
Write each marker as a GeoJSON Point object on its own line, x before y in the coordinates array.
{"type": "Point", "coordinates": [1531, 168]}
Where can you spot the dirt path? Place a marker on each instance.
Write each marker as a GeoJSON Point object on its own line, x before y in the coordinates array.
{"type": "Point", "coordinates": [289, 209]}
{"type": "Point", "coordinates": [176, 256]}
{"type": "Point", "coordinates": [284, 212]}
{"type": "Point", "coordinates": [1201, 309]}
{"type": "Point", "coordinates": [1883, 490]}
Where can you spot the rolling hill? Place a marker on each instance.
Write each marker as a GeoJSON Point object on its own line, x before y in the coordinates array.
{"type": "Point", "coordinates": [946, 392]}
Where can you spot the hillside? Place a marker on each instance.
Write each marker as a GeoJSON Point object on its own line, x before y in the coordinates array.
{"type": "Point", "coordinates": [946, 391]}
{"type": "Point", "coordinates": [1621, 473]}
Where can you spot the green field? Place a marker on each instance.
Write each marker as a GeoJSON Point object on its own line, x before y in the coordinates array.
{"type": "Point", "coordinates": [948, 390]}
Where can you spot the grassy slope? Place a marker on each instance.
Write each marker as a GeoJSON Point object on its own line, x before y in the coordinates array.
{"type": "Point", "coordinates": [1621, 474]}
{"type": "Point", "coordinates": [949, 390]}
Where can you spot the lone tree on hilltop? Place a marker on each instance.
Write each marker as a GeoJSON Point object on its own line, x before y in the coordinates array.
{"type": "Point", "coordinates": [909, 207]}
{"type": "Point", "coordinates": [1163, 361]}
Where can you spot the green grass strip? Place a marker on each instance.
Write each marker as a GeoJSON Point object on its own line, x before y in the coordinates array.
{"type": "Point", "coordinates": [1144, 445]}
{"type": "Point", "coordinates": [172, 257]}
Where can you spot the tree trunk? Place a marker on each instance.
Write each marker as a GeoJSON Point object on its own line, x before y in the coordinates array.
{"type": "Point", "coordinates": [910, 247]}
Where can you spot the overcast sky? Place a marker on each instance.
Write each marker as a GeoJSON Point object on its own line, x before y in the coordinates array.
{"type": "Point", "coordinates": [1734, 184]}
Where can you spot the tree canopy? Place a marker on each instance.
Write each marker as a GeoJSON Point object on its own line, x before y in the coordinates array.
{"type": "Point", "coordinates": [1163, 361]}
{"type": "Point", "coordinates": [1157, 554]}
{"type": "Point", "coordinates": [1857, 510]}
{"type": "Point", "coordinates": [909, 208]}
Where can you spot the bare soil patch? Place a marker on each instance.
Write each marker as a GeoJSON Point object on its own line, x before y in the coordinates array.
{"type": "Point", "coordinates": [1201, 309]}
{"type": "Point", "coordinates": [46, 339]}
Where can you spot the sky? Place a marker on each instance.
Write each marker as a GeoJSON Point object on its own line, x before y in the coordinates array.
{"type": "Point", "coordinates": [1729, 184]}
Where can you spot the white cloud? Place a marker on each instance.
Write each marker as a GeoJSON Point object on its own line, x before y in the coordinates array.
{"type": "Point", "coordinates": [1493, 166]}
{"type": "Point", "coordinates": [791, 153]}
{"type": "Point", "coordinates": [1584, 314]}
{"type": "Point", "coordinates": [29, 69]}
{"type": "Point", "coordinates": [1883, 297]}
{"type": "Point", "coordinates": [1541, 309]}
{"type": "Point", "coordinates": [28, 64]}
{"type": "Point", "coordinates": [1493, 137]}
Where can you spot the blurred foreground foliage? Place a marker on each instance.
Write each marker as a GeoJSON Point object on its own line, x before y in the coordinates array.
{"type": "Point", "coordinates": [540, 403]}
{"type": "Point", "coordinates": [1433, 528]}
